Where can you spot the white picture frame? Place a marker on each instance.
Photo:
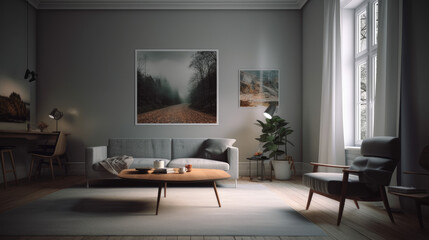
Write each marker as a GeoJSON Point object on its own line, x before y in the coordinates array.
{"type": "Point", "coordinates": [176, 87]}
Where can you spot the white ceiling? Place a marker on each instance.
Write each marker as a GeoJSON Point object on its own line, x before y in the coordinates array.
{"type": "Point", "coordinates": [169, 4]}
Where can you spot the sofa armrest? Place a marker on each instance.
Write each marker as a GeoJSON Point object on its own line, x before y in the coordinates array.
{"type": "Point", "coordinates": [233, 160]}
{"type": "Point", "coordinates": [94, 155]}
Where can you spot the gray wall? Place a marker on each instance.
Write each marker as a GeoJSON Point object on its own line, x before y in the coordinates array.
{"type": "Point", "coordinates": [86, 69]}
{"type": "Point", "coordinates": [312, 46]}
{"type": "Point", "coordinates": [13, 63]}
{"type": "Point", "coordinates": [415, 86]}
{"type": "Point", "coordinates": [13, 50]}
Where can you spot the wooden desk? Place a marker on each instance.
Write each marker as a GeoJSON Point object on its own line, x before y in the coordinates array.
{"type": "Point", "coordinates": [35, 135]}
{"type": "Point", "coordinates": [32, 135]}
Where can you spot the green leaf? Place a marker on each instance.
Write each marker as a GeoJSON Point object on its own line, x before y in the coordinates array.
{"type": "Point", "coordinates": [274, 135]}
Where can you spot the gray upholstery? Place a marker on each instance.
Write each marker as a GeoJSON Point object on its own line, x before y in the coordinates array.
{"type": "Point", "coordinates": [187, 147]}
{"type": "Point", "coordinates": [364, 180]}
{"type": "Point", "coordinates": [147, 162]}
{"type": "Point", "coordinates": [140, 148]}
{"type": "Point", "coordinates": [331, 183]}
{"type": "Point", "coordinates": [199, 163]}
{"type": "Point", "coordinates": [215, 148]}
{"type": "Point", "coordinates": [383, 147]}
{"type": "Point", "coordinates": [376, 165]}
{"type": "Point", "coordinates": [232, 154]}
{"type": "Point", "coordinates": [146, 151]}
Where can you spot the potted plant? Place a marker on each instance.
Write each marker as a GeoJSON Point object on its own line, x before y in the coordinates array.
{"type": "Point", "coordinates": [274, 138]}
{"type": "Point", "coordinates": [42, 126]}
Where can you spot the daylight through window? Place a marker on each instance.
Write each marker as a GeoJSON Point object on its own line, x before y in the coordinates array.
{"type": "Point", "coordinates": [366, 25]}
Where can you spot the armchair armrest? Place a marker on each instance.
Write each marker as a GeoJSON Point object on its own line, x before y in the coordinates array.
{"type": "Point", "coordinates": [233, 160]}
{"type": "Point", "coordinates": [94, 155]}
{"type": "Point", "coordinates": [316, 166]}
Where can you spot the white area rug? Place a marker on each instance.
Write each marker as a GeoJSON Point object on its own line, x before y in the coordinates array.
{"type": "Point", "coordinates": [247, 210]}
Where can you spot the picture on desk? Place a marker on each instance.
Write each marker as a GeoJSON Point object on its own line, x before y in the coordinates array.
{"type": "Point", "coordinates": [14, 109]}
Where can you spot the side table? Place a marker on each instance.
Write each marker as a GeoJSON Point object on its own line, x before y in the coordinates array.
{"type": "Point", "coordinates": [260, 159]}
{"type": "Point", "coordinates": [419, 199]}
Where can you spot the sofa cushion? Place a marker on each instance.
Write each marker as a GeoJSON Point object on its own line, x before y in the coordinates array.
{"type": "Point", "coordinates": [146, 162]}
{"type": "Point", "coordinates": [187, 147]}
{"type": "Point", "coordinates": [199, 163]}
{"type": "Point", "coordinates": [215, 148]}
{"type": "Point", "coordinates": [141, 147]}
{"type": "Point", "coordinates": [331, 183]}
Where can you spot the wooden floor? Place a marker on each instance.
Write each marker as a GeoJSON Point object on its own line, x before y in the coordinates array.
{"type": "Point", "coordinates": [368, 222]}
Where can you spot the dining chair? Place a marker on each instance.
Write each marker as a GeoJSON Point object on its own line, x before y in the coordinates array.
{"type": "Point", "coordinates": [48, 157]}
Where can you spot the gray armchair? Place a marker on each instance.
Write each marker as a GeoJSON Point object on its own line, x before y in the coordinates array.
{"type": "Point", "coordinates": [364, 180]}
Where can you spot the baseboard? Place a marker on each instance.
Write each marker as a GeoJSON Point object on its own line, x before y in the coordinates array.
{"type": "Point", "coordinates": [244, 168]}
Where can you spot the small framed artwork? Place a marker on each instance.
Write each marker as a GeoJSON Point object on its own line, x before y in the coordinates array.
{"type": "Point", "coordinates": [178, 87]}
{"type": "Point", "coordinates": [14, 100]}
{"type": "Point", "coordinates": [258, 87]}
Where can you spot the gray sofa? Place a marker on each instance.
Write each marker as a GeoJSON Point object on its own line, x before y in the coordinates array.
{"type": "Point", "coordinates": [212, 153]}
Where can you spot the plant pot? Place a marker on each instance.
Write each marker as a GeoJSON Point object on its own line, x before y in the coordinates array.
{"type": "Point", "coordinates": [283, 168]}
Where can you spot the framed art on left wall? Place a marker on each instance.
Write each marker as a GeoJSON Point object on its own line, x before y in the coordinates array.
{"type": "Point", "coordinates": [176, 86]}
{"type": "Point", "coordinates": [14, 100]}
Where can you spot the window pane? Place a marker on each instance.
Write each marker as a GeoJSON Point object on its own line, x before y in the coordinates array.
{"type": "Point", "coordinates": [375, 28]}
{"type": "Point", "coordinates": [363, 81]}
{"type": "Point", "coordinates": [362, 31]}
{"type": "Point", "coordinates": [374, 78]}
{"type": "Point", "coordinates": [362, 75]}
{"type": "Point", "coordinates": [363, 121]}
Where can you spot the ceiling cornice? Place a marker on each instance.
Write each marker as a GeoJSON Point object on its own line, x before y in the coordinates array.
{"type": "Point", "coordinates": [34, 3]}
{"type": "Point", "coordinates": [169, 4]}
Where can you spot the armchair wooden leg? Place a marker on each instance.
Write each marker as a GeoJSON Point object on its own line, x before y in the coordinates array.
{"type": "Point", "coordinates": [310, 195]}
{"type": "Point", "coordinates": [419, 214]}
{"type": "Point", "coordinates": [357, 204]}
{"type": "Point", "coordinates": [341, 209]}
{"type": "Point", "coordinates": [386, 203]}
{"type": "Point", "coordinates": [343, 196]}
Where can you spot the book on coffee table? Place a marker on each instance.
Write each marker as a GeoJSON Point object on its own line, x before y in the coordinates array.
{"type": "Point", "coordinates": [403, 189]}
{"type": "Point", "coordinates": [164, 170]}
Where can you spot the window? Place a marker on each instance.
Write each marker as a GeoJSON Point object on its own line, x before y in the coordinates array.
{"type": "Point", "coordinates": [366, 32]}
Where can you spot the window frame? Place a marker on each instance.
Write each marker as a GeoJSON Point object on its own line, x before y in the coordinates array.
{"type": "Point", "coordinates": [369, 55]}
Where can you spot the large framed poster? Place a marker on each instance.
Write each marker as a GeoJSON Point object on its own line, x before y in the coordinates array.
{"type": "Point", "coordinates": [176, 86]}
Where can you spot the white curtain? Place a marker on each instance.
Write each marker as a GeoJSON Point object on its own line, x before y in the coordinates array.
{"type": "Point", "coordinates": [387, 93]}
{"type": "Point", "coordinates": [331, 140]}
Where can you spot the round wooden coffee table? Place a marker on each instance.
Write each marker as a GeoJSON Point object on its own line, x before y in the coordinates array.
{"type": "Point", "coordinates": [196, 175]}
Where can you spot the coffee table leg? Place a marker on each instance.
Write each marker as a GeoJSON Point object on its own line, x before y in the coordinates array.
{"type": "Point", "coordinates": [217, 196]}
{"type": "Point", "coordinates": [159, 198]}
{"type": "Point", "coordinates": [165, 189]}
